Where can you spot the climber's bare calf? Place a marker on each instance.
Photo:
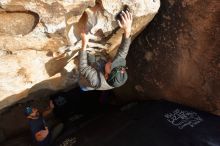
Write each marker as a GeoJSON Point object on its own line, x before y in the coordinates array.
{"type": "Point", "coordinates": [100, 74]}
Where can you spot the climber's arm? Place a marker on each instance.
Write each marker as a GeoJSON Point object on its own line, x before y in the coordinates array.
{"type": "Point", "coordinates": [125, 23]}
{"type": "Point", "coordinates": [86, 70]}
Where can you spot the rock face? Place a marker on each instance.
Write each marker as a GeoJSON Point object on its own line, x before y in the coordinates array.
{"type": "Point", "coordinates": [177, 57]}
{"type": "Point", "coordinates": [40, 39]}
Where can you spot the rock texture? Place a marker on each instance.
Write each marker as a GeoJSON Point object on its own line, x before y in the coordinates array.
{"type": "Point", "coordinates": [177, 57]}
{"type": "Point", "coordinates": [40, 39]}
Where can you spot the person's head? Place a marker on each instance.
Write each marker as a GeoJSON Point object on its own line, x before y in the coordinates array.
{"type": "Point", "coordinates": [115, 72]}
{"type": "Point", "coordinates": [31, 112]}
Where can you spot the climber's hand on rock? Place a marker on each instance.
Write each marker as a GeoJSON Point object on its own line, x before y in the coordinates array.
{"type": "Point", "coordinates": [85, 40]}
{"type": "Point", "coordinates": [126, 22]}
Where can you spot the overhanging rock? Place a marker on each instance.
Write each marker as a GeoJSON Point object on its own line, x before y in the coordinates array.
{"type": "Point", "coordinates": [39, 39]}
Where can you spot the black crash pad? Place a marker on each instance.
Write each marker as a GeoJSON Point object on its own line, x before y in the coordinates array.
{"type": "Point", "coordinates": [150, 123]}
{"type": "Point", "coordinates": [76, 101]}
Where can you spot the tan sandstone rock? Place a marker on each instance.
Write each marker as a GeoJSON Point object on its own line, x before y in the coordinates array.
{"type": "Point", "coordinates": [39, 40]}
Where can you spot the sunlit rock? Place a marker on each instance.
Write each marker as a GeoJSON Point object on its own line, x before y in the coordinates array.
{"type": "Point", "coordinates": [40, 39]}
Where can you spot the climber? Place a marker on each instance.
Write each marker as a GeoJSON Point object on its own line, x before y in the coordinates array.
{"type": "Point", "coordinates": [97, 73]}
{"type": "Point", "coordinates": [42, 136]}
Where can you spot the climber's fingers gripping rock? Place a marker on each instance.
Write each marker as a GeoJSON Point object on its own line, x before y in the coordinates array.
{"type": "Point", "coordinates": [125, 22]}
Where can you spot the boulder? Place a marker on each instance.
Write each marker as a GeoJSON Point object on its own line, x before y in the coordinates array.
{"type": "Point", "coordinates": [39, 41]}
{"type": "Point", "coordinates": [177, 57]}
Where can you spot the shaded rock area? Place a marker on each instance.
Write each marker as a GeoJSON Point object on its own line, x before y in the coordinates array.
{"type": "Point", "coordinates": [177, 57]}
{"type": "Point", "coordinates": [39, 41]}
